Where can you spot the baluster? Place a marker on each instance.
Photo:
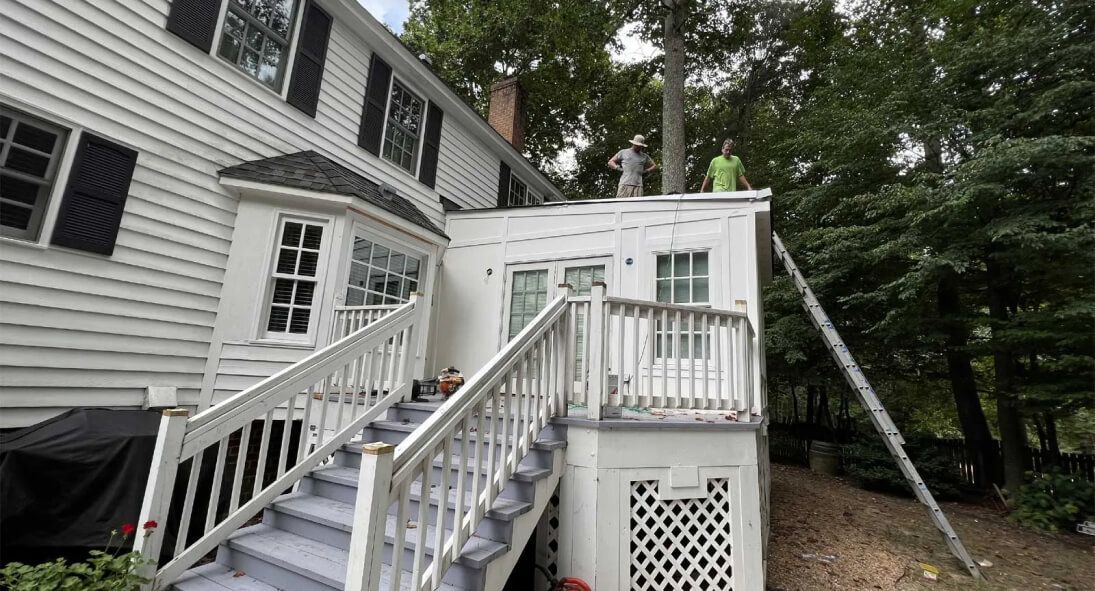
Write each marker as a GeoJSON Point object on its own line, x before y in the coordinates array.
{"type": "Point", "coordinates": [382, 367]}
{"type": "Point", "coordinates": [677, 353]}
{"type": "Point", "coordinates": [492, 457]}
{"type": "Point", "coordinates": [423, 505]}
{"type": "Point", "coordinates": [520, 393]}
{"type": "Point", "coordinates": [286, 432]}
{"type": "Point", "coordinates": [188, 502]}
{"type": "Point", "coordinates": [264, 446]}
{"type": "Point", "coordinates": [439, 522]}
{"type": "Point", "coordinates": [341, 398]}
{"type": "Point", "coordinates": [721, 402]}
{"type": "Point", "coordinates": [241, 465]}
{"type": "Point", "coordinates": [619, 399]}
{"type": "Point", "coordinates": [635, 383]}
{"type": "Point", "coordinates": [477, 478]}
{"type": "Point", "coordinates": [215, 489]}
{"type": "Point", "coordinates": [648, 400]}
{"type": "Point", "coordinates": [665, 359]}
{"type": "Point", "coordinates": [400, 541]}
{"type": "Point", "coordinates": [367, 382]}
{"type": "Point", "coordinates": [305, 425]}
{"type": "Point", "coordinates": [359, 369]}
{"type": "Point", "coordinates": [322, 397]}
{"type": "Point", "coordinates": [569, 362]}
{"type": "Point", "coordinates": [704, 354]}
{"type": "Point", "coordinates": [693, 390]}
{"type": "Point", "coordinates": [584, 378]}
{"type": "Point", "coordinates": [503, 445]}
{"type": "Point", "coordinates": [596, 340]}
{"type": "Point", "coordinates": [732, 360]}
{"type": "Point", "coordinates": [459, 511]}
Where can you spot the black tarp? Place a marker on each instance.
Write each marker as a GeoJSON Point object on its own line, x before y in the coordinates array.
{"type": "Point", "coordinates": [65, 483]}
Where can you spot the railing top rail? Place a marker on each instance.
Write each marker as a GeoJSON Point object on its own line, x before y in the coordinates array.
{"type": "Point", "coordinates": [676, 307]}
{"type": "Point", "coordinates": [370, 307]}
{"type": "Point", "coordinates": [414, 448]}
{"type": "Point", "coordinates": [272, 383]}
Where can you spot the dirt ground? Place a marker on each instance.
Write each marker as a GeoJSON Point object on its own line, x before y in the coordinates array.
{"type": "Point", "coordinates": [827, 534]}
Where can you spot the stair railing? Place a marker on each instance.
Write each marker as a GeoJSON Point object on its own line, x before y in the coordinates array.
{"type": "Point", "coordinates": [347, 319]}
{"type": "Point", "coordinates": [503, 407]}
{"type": "Point", "coordinates": [349, 384]}
{"type": "Point", "coordinates": [653, 355]}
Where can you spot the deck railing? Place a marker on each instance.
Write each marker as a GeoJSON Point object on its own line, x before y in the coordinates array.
{"type": "Point", "coordinates": [347, 319]}
{"type": "Point", "coordinates": [491, 423]}
{"type": "Point", "coordinates": [348, 384]}
{"type": "Point", "coordinates": [653, 355]}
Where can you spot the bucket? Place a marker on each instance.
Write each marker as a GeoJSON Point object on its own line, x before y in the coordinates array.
{"type": "Point", "coordinates": [824, 457]}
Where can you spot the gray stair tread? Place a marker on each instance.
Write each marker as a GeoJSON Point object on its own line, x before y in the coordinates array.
{"type": "Point", "coordinates": [217, 577]}
{"type": "Point", "coordinates": [315, 560]}
{"type": "Point", "coordinates": [476, 552]}
{"type": "Point", "coordinates": [338, 474]}
{"type": "Point", "coordinates": [408, 427]}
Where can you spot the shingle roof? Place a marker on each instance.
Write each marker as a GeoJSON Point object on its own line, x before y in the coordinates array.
{"type": "Point", "coordinates": [312, 171]}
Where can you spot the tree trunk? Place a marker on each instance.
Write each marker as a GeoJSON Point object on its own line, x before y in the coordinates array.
{"type": "Point", "coordinates": [971, 416]}
{"type": "Point", "coordinates": [673, 144]}
{"type": "Point", "coordinates": [1053, 445]}
{"type": "Point", "coordinates": [1009, 417]}
{"type": "Point", "coordinates": [794, 405]}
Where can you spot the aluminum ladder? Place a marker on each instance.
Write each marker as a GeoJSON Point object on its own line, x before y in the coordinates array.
{"type": "Point", "coordinates": [869, 399]}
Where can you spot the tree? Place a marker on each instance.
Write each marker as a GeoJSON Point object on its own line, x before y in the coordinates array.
{"type": "Point", "coordinates": [673, 153]}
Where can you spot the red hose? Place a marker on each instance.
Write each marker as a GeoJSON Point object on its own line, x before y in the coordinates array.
{"type": "Point", "coordinates": [572, 584]}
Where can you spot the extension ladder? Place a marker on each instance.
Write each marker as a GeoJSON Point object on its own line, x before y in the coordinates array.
{"type": "Point", "coordinates": [867, 397]}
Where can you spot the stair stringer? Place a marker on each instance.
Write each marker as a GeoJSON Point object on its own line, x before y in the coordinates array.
{"type": "Point", "coordinates": [498, 571]}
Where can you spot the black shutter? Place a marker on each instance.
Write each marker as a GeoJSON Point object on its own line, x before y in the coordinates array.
{"type": "Point", "coordinates": [503, 185]}
{"type": "Point", "coordinates": [376, 98]}
{"type": "Point", "coordinates": [431, 146]}
{"type": "Point", "coordinates": [195, 21]}
{"type": "Point", "coordinates": [98, 185]}
{"type": "Point", "coordinates": [311, 54]}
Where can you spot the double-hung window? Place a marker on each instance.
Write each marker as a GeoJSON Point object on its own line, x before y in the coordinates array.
{"type": "Point", "coordinates": [380, 274]}
{"type": "Point", "coordinates": [682, 278]}
{"type": "Point", "coordinates": [256, 38]}
{"type": "Point", "coordinates": [519, 194]}
{"type": "Point", "coordinates": [296, 266]}
{"type": "Point", "coordinates": [401, 134]}
{"type": "Point", "coordinates": [30, 151]}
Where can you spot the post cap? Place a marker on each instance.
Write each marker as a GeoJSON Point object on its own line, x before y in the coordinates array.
{"type": "Point", "coordinates": [600, 283]}
{"type": "Point", "coordinates": [377, 449]}
{"type": "Point", "coordinates": [566, 285]}
{"type": "Point", "coordinates": [176, 412]}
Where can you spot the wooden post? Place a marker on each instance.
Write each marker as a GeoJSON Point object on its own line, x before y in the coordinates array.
{"type": "Point", "coordinates": [411, 368]}
{"type": "Point", "coordinates": [567, 354]}
{"type": "Point", "coordinates": [595, 396]}
{"type": "Point", "coordinates": [743, 352]}
{"type": "Point", "coordinates": [157, 492]}
{"type": "Point", "coordinates": [370, 513]}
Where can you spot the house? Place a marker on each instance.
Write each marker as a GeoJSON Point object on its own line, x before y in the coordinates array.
{"type": "Point", "coordinates": [271, 219]}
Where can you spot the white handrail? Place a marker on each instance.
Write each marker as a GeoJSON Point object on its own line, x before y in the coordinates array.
{"type": "Point", "coordinates": [346, 385]}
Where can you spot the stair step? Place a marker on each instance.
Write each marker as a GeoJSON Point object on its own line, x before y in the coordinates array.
{"type": "Point", "coordinates": [477, 552]}
{"type": "Point", "coordinates": [408, 427]}
{"type": "Point", "coordinates": [218, 577]}
{"type": "Point", "coordinates": [308, 564]}
{"type": "Point", "coordinates": [524, 473]}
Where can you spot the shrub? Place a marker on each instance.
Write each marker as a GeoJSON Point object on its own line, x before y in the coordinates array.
{"type": "Point", "coordinates": [1053, 501]}
{"type": "Point", "coordinates": [108, 570]}
{"type": "Point", "coordinates": [870, 464]}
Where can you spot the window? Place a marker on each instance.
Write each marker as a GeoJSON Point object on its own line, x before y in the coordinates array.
{"type": "Point", "coordinates": [581, 279]}
{"type": "Point", "coordinates": [404, 123]}
{"type": "Point", "coordinates": [519, 195]}
{"type": "Point", "coordinates": [256, 37]}
{"type": "Point", "coordinates": [30, 150]}
{"type": "Point", "coordinates": [682, 278]}
{"type": "Point", "coordinates": [295, 269]}
{"type": "Point", "coordinates": [528, 297]}
{"type": "Point", "coordinates": [380, 274]}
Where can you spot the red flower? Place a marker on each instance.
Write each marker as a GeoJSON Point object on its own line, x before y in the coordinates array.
{"type": "Point", "coordinates": [128, 528]}
{"type": "Point", "coordinates": [150, 524]}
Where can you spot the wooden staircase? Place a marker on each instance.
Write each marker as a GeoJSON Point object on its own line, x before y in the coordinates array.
{"type": "Point", "coordinates": [303, 541]}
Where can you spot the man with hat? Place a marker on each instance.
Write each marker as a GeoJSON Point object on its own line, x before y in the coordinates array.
{"type": "Point", "coordinates": [634, 162]}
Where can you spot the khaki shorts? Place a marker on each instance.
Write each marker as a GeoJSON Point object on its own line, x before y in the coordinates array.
{"type": "Point", "coordinates": [626, 191]}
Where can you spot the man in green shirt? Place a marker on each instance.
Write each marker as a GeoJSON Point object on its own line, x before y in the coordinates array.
{"type": "Point", "coordinates": [726, 170]}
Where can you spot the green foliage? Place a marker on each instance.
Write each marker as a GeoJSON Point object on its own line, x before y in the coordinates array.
{"type": "Point", "coordinates": [101, 572]}
{"type": "Point", "coordinates": [871, 465]}
{"type": "Point", "coordinates": [1054, 501]}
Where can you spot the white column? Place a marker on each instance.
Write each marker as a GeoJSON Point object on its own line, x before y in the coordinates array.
{"type": "Point", "coordinates": [370, 512]}
{"type": "Point", "coordinates": [595, 397]}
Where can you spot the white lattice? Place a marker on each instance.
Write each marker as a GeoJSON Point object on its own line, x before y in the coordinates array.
{"type": "Point", "coordinates": [680, 544]}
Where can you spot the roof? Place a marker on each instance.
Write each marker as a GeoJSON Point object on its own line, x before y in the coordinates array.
{"type": "Point", "coordinates": [312, 171]}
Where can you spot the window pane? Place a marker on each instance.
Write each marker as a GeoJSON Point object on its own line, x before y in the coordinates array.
{"type": "Point", "coordinates": [18, 190]}
{"type": "Point", "coordinates": [397, 262]}
{"type": "Point", "coordinates": [287, 261]}
{"type": "Point", "coordinates": [358, 274]}
{"type": "Point", "coordinates": [305, 289]}
{"type": "Point", "coordinates": [412, 267]}
{"type": "Point", "coordinates": [271, 61]}
{"type": "Point", "coordinates": [680, 291]}
{"type": "Point", "coordinates": [681, 266]}
{"type": "Point", "coordinates": [24, 161]}
{"type": "Point", "coordinates": [281, 14]}
{"type": "Point", "coordinates": [291, 235]}
{"type": "Point", "coordinates": [279, 319]}
{"type": "Point", "coordinates": [376, 280]}
{"type": "Point", "coordinates": [380, 256]}
{"type": "Point", "coordinates": [35, 138]}
{"type": "Point", "coordinates": [699, 263]}
{"type": "Point", "coordinates": [230, 48]}
{"type": "Point", "coordinates": [283, 291]}
{"type": "Point", "coordinates": [664, 293]}
{"type": "Point", "coordinates": [308, 263]}
{"type": "Point", "coordinates": [250, 62]}
{"type": "Point", "coordinates": [299, 323]}
{"type": "Point", "coordinates": [373, 299]}
{"type": "Point", "coordinates": [354, 297]}
{"type": "Point", "coordinates": [254, 37]}
{"type": "Point", "coordinates": [5, 125]}
{"type": "Point", "coordinates": [663, 266]}
{"type": "Point", "coordinates": [361, 249]}
{"type": "Point", "coordinates": [699, 290]}
{"type": "Point", "coordinates": [313, 237]}
{"type": "Point", "coordinates": [15, 216]}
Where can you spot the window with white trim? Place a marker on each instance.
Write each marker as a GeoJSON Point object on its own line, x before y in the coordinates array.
{"type": "Point", "coordinates": [293, 290]}
{"type": "Point", "coordinates": [581, 279]}
{"type": "Point", "coordinates": [381, 274]}
{"type": "Point", "coordinates": [520, 195]}
{"type": "Point", "coordinates": [256, 38]}
{"type": "Point", "coordinates": [30, 152]}
{"type": "Point", "coordinates": [527, 297]}
{"type": "Point", "coordinates": [403, 128]}
{"type": "Point", "coordinates": [682, 278]}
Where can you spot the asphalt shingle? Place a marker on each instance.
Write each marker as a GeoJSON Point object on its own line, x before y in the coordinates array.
{"type": "Point", "coordinates": [312, 171]}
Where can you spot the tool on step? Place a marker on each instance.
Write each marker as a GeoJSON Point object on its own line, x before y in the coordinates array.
{"type": "Point", "coordinates": [449, 381]}
{"type": "Point", "coordinates": [870, 401]}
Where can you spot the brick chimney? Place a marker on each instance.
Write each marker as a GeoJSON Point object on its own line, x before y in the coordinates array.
{"type": "Point", "coordinates": [507, 111]}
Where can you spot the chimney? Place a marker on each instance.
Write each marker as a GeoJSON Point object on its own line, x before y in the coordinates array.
{"type": "Point", "coordinates": [507, 111]}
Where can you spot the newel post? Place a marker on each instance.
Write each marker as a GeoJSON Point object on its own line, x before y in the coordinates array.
{"type": "Point", "coordinates": [370, 513]}
{"type": "Point", "coordinates": [743, 351]}
{"type": "Point", "coordinates": [595, 365]}
{"type": "Point", "coordinates": [565, 354]}
{"type": "Point", "coordinates": [413, 364]}
{"type": "Point", "coordinates": [157, 492]}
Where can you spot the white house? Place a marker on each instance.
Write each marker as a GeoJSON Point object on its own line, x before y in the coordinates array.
{"type": "Point", "coordinates": [260, 211]}
{"type": "Point", "coordinates": [149, 176]}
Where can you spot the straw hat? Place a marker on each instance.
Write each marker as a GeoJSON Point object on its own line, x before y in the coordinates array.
{"type": "Point", "coordinates": [638, 140]}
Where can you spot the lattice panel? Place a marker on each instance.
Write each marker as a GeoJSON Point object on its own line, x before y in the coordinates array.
{"type": "Point", "coordinates": [683, 544]}
{"type": "Point", "coordinates": [547, 541]}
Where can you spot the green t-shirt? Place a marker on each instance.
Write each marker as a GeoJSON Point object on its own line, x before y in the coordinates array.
{"type": "Point", "coordinates": [725, 172]}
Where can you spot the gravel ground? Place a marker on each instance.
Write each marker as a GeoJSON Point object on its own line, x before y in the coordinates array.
{"type": "Point", "coordinates": [827, 534]}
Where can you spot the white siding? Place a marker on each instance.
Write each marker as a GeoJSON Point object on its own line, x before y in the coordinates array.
{"type": "Point", "coordinates": [81, 329]}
